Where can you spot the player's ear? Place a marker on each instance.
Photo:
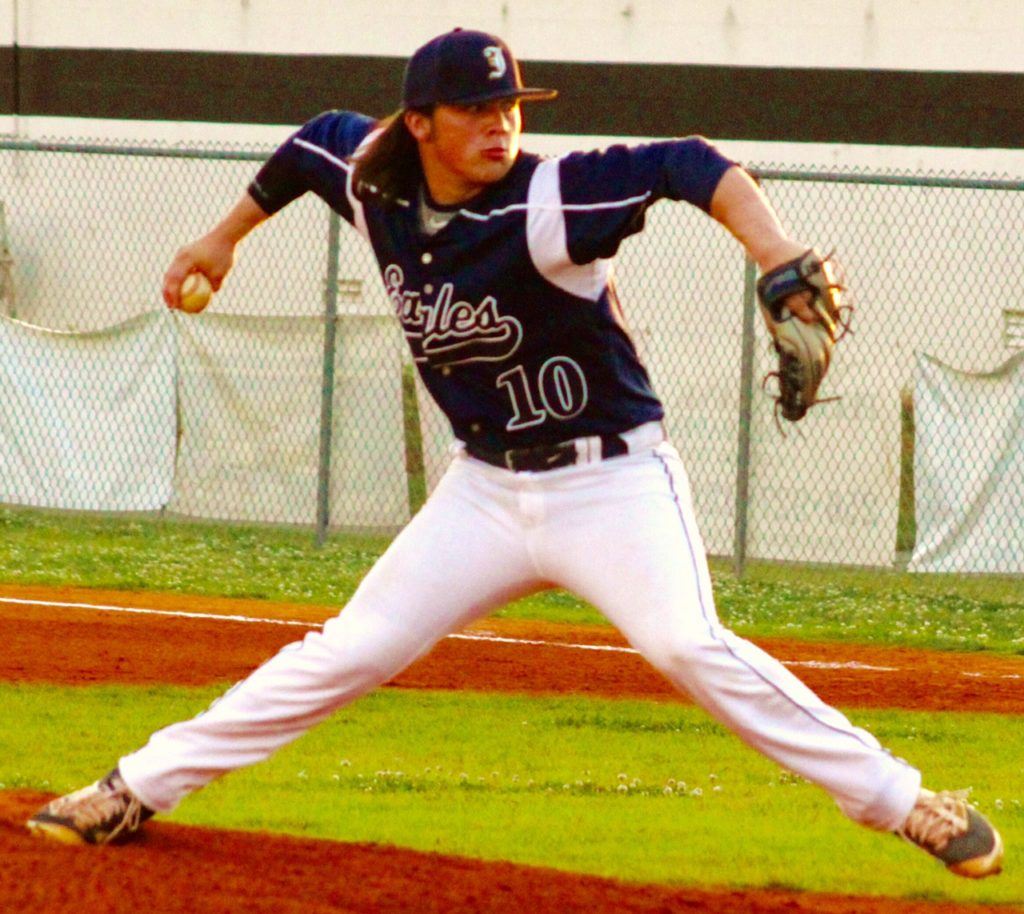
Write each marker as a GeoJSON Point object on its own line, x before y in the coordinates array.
{"type": "Point", "coordinates": [419, 124]}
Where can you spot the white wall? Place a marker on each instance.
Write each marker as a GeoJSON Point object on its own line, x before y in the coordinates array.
{"type": "Point", "coordinates": [897, 34]}
{"type": "Point", "coordinates": [8, 23]}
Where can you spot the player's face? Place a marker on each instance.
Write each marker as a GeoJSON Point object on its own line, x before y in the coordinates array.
{"type": "Point", "coordinates": [464, 148]}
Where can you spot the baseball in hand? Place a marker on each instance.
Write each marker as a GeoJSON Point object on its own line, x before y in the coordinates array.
{"type": "Point", "coordinates": [195, 293]}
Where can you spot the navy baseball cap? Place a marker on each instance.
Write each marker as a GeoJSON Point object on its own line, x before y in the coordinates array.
{"type": "Point", "coordinates": [464, 67]}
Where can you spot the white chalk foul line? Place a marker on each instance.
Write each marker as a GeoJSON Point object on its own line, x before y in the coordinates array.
{"type": "Point", "coordinates": [493, 639]}
{"type": "Point", "coordinates": [816, 664]}
{"type": "Point", "coordinates": [159, 612]}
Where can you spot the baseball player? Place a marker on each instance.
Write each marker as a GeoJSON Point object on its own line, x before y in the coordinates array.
{"type": "Point", "coordinates": [499, 266]}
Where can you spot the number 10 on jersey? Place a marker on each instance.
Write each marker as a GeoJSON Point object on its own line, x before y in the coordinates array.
{"type": "Point", "coordinates": [559, 391]}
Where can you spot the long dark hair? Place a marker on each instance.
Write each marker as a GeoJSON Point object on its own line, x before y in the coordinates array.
{"type": "Point", "coordinates": [388, 170]}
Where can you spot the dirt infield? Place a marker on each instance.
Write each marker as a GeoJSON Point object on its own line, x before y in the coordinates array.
{"type": "Point", "coordinates": [65, 644]}
{"type": "Point", "coordinates": [145, 638]}
{"type": "Point", "coordinates": [183, 869]}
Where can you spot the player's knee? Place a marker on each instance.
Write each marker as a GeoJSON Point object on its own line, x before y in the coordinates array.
{"type": "Point", "coordinates": [372, 644]}
{"type": "Point", "coordinates": [679, 652]}
{"type": "Point", "coordinates": [335, 667]}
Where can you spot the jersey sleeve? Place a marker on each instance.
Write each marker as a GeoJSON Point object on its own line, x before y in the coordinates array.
{"type": "Point", "coordinates": [606, 193]}
{"type": "Point", "coordinates": [314, 158]}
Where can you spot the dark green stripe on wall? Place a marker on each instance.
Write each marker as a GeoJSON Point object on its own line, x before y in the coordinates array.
{"type": "Point", "coordinates": [8, 90]}
{"type": "Point", "coordinates": [886, 107]}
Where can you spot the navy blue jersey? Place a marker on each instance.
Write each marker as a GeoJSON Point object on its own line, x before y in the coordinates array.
{"type": "Point", "coordinates": [510, 309]}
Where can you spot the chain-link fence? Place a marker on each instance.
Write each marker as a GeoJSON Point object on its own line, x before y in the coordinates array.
{"type": "Point", "coordinates": [291, 400]}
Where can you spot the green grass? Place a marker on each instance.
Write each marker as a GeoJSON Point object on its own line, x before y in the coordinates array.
{"type": "Point", "coordinates": [890, 607]}
{"type": "Point", "coordinates": [633, 790]}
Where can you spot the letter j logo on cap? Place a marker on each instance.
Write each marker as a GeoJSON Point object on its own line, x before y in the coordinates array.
{"type": "Point", "coordinates": [496, 61]}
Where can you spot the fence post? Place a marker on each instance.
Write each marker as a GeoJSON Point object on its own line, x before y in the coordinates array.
{"type": "Point", "coordinates": [7, 298]}
{"type": "Point", "coordinates": [746, 410]}
{"type": "Point", "coordinates": [323, 502]}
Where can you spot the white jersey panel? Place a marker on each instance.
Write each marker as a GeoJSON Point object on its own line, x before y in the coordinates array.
{"type": "Point", "coordinates": [546, 238]}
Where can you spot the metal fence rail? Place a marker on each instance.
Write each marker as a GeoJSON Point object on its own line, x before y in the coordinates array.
{"type": "Point", "coordinates": [291, 400]}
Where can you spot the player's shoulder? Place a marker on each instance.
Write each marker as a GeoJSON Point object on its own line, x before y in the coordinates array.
{"type": "Point", "coordinates": [337, 132]}
{"type": "Point", "coordinates": [596, 172]}
{"type": "Point", "coordinates": [622, 154]}
{"type": "Point", "coordinates": [606, 171]}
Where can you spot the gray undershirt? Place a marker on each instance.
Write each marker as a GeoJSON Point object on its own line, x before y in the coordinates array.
{"type": "Point", "coordinates": [433, 220]}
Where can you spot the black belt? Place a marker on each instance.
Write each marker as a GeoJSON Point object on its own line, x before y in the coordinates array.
{"type": "Point", "coordinates": [545, 456]}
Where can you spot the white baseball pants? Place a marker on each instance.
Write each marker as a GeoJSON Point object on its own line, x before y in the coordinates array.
{"type": "Point", "coordinates": [620, 533]}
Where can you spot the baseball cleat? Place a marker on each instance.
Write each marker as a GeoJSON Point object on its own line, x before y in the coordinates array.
{"type": "Point", "coordinates": [98, 814]}
{"type": "Point", "coordinates": [946, 826]}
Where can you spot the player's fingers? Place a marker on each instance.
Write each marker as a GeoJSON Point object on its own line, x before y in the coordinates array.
{"type": "Point", "coordinates": [171, 292]}
{"type": "Point", "coordinates": [180, 267]}
{"type": "Point", "coordinates": [801, 305]}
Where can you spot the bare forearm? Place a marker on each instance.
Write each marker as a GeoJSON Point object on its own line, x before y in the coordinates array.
{"type": "Point", "coordinates": [739, 204]}
{"type": "Point", "coordinates": [241, 219]}
{"type": "Point", "coordinates": [744, 210]}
